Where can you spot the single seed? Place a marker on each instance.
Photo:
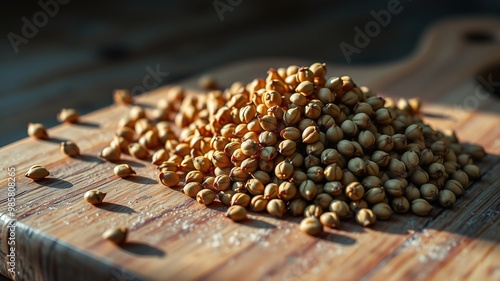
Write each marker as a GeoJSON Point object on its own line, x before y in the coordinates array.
{"type": "Point", "coordinates": [123, 96]}
{"type": "Point", "coordinates": [258, 203]}
{"type": "Point", "coordinates": [94, 197]}
{"type": "Point", "coordinates": [446, 198]}
{"type": "Point", "coordinates": [330, 219]}
{"type": "Point", "coordinates": [236, 213]}
{"type": "Point", "coordinates": [69, 148]}
{"type": "Point", "coordinates": [191, 189]}
{"type": "Point", "coordinates": [240, 199]}
{"type": "Point", "coordinates": [169, 178]}
{"type": "Point", "coordinates": [37, 130]}
{"type": "Point", "coordinates": [382, 211]}
{"type": "Point", "coordinates": [117, 235]}
{"type": "Point", "coordinates": [421, 207]}
{"type": "Point", "coordinates": [311, 226]}
{"type": "Point", "coordinates": [205, 196]}
{"type": "Point", "coordinates": [276, 208]}
{"type": "Point", "coordinates": [365, 217]}
{"type": "Point", "coordinates": [68, 115]}
{"type": "Point", "coordinates": [123, 170]}
{"type": "Point", "coordinates": [37, 172]}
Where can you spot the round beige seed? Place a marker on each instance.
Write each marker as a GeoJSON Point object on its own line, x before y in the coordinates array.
{"type": "Point", "coordinates": [94, 197]}
{"type": "Point", "coordinates": [236, 213]}
{"type": "Point", "coordinates": [37, 172]}
{"type": "Point", "coordinates": [117, 235]}
{"type": "Point", "coordinates": [311, 226]}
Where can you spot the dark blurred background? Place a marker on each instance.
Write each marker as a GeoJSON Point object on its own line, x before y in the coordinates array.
{"type": "Point", "coordinates": [78, 56]}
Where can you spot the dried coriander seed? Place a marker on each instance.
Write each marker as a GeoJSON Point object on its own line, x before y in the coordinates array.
{"type": "Point", "coordinates": [117, 235]}
{"type": "Point", "coordinates": [123, 170]}
{"type": "Point", "coordinates": [276, 208]}
{"type": "Point", "coordinates": [365, 217]}
{"type": "Point", "coordinates": [191, 189]}
{"type": "Point", "coordinates": [311, 226]}
{"type": "Point", "coordinates": [37, 172]}
{"type": "Point", "coordinates": [205, 196]}
{"type": "Point", "coordinates": [68, 115]}
{"type": "Point", "coordinates": [236, 213]}
{"type": "Point", "coordinates": [421, 207]}
{"type": "Point", "coordinates": [37, 130]}
{"type": "Point", "coordinates": [94, 196]}
{"type": "Point", "coordinates": [111, 153]}
{"type": "Point", "coordinates": [169, 178]}
{"type": "Point", "coordinates": [69, 148]}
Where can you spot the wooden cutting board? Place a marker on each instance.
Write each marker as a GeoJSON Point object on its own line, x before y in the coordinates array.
{"type": "Point", "coordinates": [57, 235]}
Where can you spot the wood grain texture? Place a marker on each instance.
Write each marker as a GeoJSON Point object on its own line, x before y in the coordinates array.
{"type": "Point", "coordinates": [173, 237]}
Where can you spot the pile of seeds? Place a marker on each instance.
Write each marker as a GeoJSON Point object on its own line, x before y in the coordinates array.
{"type": "Point", "coordinates": [301, 144]}
{"type": "Point", "coordinates": [324, 149]}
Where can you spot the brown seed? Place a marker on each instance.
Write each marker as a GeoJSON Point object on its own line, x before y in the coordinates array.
{"type": "Point", "coordinates": [94, 197]}
{"type": "Point", "coordinates": [365, 217]}
{"type": "Point", "coordinates": [313, 210]}
{"type": "Point", "coordinates": [461, 177]}
{"type": "Point", "coordinates": [382, 211]}
{"type": "Point", "coordinates": [69, 148]}
{"type": "Point", "coordinates": [169, 178]}
{"type": "Point", "coordinates": [354, 191]}
{"type": "Point", "coordinates": [258, 203]}
{"type": "Point", "coordinates": [123, 96]}
{"type": "Point", "coordinates": [240, 199]}
{"type": "Point", "coordinates": [37, 130]}
{"type": "Point", "coordinates": [138, 151]}
{"type": "Point", "coordinates": [222, 182]}
{"type": "Point", "coordinates": [421, 207]}
{"type": "Point", "coordinates": [310, 134]}
{"type": "Point", "coordinates": [271, 191]}
{"type": "Point", "coordinates": [287, 191]}
{"type": "Point", "coordinates": [311, 226]}
{"type": "Point", "coordinates": [226, 196]}
{"type": "Point", "coordinates": [123, 170]}
{"type": "Point", "coordinates": [159, 157]}
{"type": "Point", "coordinates": [283, 170]}
{"type": "Point", "coordinates": [205, 196]}
{"type": "Point", "coordinates": [276, 207]}
{"type": "Point", "coordinates": [236, 213]}
{"type": "Point", "coordinates": [117, 235]}
{"type": "Point", "coordinates": [473, 172]}
{"type": "Point", "coordinates": [357, 166]}
{"type": "Point", "coordinates": [446, 198]}
{"type": "Point", "coordinates": [341, 208]}
{"type": "Point", "coordinates": [68, 115]}
{"type": "Point", "coordinates": [308, 190]}
{"type": "Point", "coordinates": [454, 186]}
{"type": "Point", "coordinates": [37, 172]}
{"type": "Point", "coordinates": [330, 219]}
{"type": "Point", "coordinates": [401, 205]}
{"type": "Point", "coordinates": [191, 189]}
{"type": "Point", "coordinates": [429, 192]}
{"type": "Point", "coordinates": [254, 186]}
{"type": "Point", "coordinates": [394, 187]}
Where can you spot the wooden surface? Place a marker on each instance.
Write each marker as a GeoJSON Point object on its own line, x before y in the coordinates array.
{"type": "Point", "coordinates": [173, 237]}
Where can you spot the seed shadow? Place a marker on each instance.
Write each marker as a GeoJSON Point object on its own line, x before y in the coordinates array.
{"type": "Point", "coordinates": [142, 249]}
{"type": "Point", "coordinates": [88, 124]}
{"type": "Point", "coordinates": [55, 183]}
{"type": "Point", "coordinates": [54, 140]}
{"type": "Point", "coordinates": [438, 115]}
{"type": "Point", "coordinates": [89, 158]}
{"type": "Point", "coordinates": [337, 238]}
{"type": "Point", "coordinates": [141, 179]}
{"type": "Point", "coordinates": [115, 208]}
{"type": "Point", "coordinates": [257, 223]}
{"type": "Point", "coordinates": [130, 163]}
